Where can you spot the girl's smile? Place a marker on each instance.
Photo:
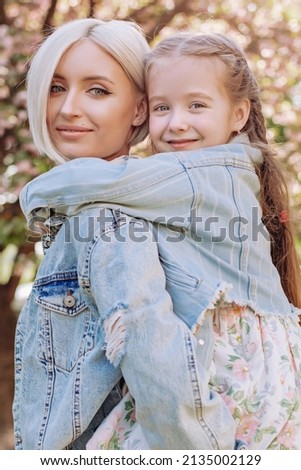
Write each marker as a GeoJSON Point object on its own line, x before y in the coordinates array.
{"type": "Point", "coordinates": [189, 108]}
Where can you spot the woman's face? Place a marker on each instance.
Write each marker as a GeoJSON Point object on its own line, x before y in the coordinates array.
{"type": "Point", "coordinates": [92, 105]}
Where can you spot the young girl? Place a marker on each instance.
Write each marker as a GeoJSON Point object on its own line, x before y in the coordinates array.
{"type": "Point", "coordinates": [223, 230]}
{"type": "Point", "coordinates": [200, 89]}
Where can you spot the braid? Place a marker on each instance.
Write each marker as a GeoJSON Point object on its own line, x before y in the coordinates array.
{"type": "Point", "coordinates": [274, 200]}
{"type": "Point", "coordinates": [275, 209]}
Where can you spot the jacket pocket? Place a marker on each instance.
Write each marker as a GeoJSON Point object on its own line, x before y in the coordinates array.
{"type": "Point", "coordinates": [184, 289]}
{"type": "Point", "coordinates": [176, 275]}
{"type": "Point", "coordinates": [191, 295]}
{"type": "Point", "coordinates": [66, 329]}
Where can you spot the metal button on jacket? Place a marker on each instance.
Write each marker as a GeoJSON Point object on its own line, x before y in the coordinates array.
{"type": "Point", "coordinates": [69, 300]}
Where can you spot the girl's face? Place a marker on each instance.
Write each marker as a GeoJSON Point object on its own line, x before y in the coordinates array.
{"type": "Point", "coordinates": [92, 105]}
{"type": "Point", "coordinates": [188, 104]}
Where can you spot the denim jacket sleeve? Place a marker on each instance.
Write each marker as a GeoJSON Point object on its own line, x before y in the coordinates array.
{"type": "Point", "coordinates": [132, 183]}
{"type": "Point", "coordinates": [159, 357]}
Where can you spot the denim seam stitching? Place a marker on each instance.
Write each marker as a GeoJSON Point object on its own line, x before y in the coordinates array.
{"type": "Point", "coordinates": [197, 393]}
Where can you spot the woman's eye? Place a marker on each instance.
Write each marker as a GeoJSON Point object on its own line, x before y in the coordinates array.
{"type": "Point", "coordinates": [96, 91]}
{"type": "Point", "coordinates": [56, 88]}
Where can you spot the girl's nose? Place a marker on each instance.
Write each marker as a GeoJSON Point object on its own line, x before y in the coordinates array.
{"type": "Point", "coordinates": [177, 122]}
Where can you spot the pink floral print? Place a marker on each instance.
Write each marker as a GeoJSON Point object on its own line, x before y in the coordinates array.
{"type": "Point", "coordinates": [256, 368]}
{"type": "Point", "coordinates": [120, 429]}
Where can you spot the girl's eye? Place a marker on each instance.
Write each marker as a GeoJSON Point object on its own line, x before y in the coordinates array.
{"type": "Point", "coordinates": [97, 91]}
{"type": "Point", "coordinates": [161, 108]}
{"type": "Point", "coordinates": [56, 88]}
{"type": "Point", "coordinates": [197, 105]}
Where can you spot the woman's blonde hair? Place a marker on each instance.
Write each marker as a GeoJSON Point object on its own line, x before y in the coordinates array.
{"type": "Point", "coordinates": [240, 83]}
{"type": "Point", "coordinates": [124, 40]}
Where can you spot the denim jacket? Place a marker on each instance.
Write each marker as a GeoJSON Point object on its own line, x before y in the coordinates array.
{"type": "Point", "coordinates": [205, 207]}
{"type": "Point", "coordinates": [99, 309]}
{"type": "Point", "coordinates": [206, 225]}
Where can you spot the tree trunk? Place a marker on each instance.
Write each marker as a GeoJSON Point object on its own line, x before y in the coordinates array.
{"type": "Point", "coordinates": [7, 331]}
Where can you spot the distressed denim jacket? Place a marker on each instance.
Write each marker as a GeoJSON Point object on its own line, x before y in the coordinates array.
{"type": "Point", "coordinates": [99, 309]}
{"type": "Point", "coordinates": [205, 208]}
{"type": "Point", "coordinates": [206, 225]}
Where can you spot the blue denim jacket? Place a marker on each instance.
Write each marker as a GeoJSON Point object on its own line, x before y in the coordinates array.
{"type": "Point", "coordinates": [212, 245]}
{"type": "Point", "coordinates": [204, 205]}
{"type": "Point", "coordinates": [99, 309]}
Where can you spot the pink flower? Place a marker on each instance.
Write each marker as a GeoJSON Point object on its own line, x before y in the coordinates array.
{"type": "Point", "coordinates": [121, 430]}
{"type": "Point", "coordinates": [247, 429]}
{"type": "Point", "coordinates": [231, 404]}
{"type": "Point", "coordinates": [241, 369]}
{"type": "Point", "coordinates": [283, 216]}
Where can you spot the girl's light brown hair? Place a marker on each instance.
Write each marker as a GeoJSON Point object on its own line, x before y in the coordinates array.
{"type": "Point", "coordinates": [240, 83]}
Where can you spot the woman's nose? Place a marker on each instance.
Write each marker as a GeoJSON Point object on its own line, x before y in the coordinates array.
{"type": "Point", "coordinates": [71, 104]}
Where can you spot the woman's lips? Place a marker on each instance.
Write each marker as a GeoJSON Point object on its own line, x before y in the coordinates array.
{"type": "Point", "coordinates": [72, 132]}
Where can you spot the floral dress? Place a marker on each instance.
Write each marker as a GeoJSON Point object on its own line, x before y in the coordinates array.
{"type": "Point", "coordinates": [120, 429]}
{"type": "Point", "coordinates": [256, 368]}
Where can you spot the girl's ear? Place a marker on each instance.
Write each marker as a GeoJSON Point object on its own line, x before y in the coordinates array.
{"type": "Point", "coordinates": [242, 113]}
{"type": "Point", "coordinates": [141, 112]}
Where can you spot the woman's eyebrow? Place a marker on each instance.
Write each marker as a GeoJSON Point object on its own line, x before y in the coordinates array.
{"type": "Point", "coordinates": [98, 77]}
{"type": "Point", "coordinates": [88, 78]}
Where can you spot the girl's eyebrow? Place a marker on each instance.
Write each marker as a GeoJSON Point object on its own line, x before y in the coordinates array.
{"type": "Point", "coordinates": [193, 94]}
{"type": "Point", "coordinates": [157, 98]}
{"type": "Point", "coordinates": [87, 79]}
{"type": "Point", "coordinates": [198, 95]}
